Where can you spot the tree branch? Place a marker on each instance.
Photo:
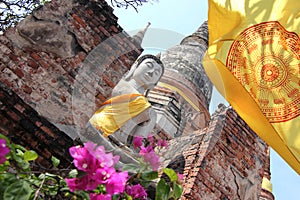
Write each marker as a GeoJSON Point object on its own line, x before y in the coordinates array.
{"type": "Point", "coordinates": [128, 3]}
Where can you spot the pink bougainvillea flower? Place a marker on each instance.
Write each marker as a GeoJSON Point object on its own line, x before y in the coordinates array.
{"type": "Point", "coordinates": [93, 149]}
{"type": "Point", "coordinates": [116, 183]}
{"type": "Point", "coordinates": [100, 176]}
{"type": "Point", "coordinates": [152, 158]}
{"type": "Point", "coordinates": [94, 196]}
{"type": "Point", "coordinates": [150, 139]}
{"type": "Point", "coordinates": [93, 182]}
{"type": "Point", "coordinates": [145, 150]}
{"type": "Point", "coordinates": [107, 160]}
{"type": "Point", "coordinates": [4, 150]}
{"type": "Point", "coordinates": [162, 143]}
{"type": "Point", "coordinates": [180, 176]}
{"type": "Point", "coordinates": [77, 183]}
{"type": "Point", "coordinates": [137, 142]}
{"type": "Point", "coordinates": [136, 192]}
{"type": "Point", "coordinates": [98, 152]}
{"type": "Point", "coordinates": [83, 160]}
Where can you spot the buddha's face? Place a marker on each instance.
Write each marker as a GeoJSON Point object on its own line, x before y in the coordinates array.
{"type": "Point", "coordinates": [147, 73]}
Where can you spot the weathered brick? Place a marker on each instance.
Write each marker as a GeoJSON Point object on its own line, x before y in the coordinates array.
{"type": "Point", "coordinates": [79, 20]}
{"type": "Point", "coordinates": [108, 81]}
{"type": "Point", "coordinates": [19, 72]}
{"type": "Point", "coordinates": [102, 18]}
{"type": "Point", "coordinates": [103, 30]}
{"type": "Point", "coordinates": [100, 97]}
{"type": "Point", "coordinates": [13, 57]}
{"type": "Point", "coordinates": [48, 131]}
{"type": "Point", "coordinates": [44, 64]}
{"type": "Point", "coordinates": [19, 107]}
{"type": "Point", "coordinates": [35, 56]}
{"type": "Point", "coordinates": [95, 22]}
{"type": "Point", "coordinates": [90, 12]}
{"type": "Point", "coordinates": [114, 29]}
{"type": "Point", "coordinates": [81, 55]}
{"type": "Point", "coordinates": [63, 98]}
{"type": "Point", "coordinates": [76, 25]}
{"type": "Point", "coordinates": [32, 64]}
{"type": "Point", "coordinates": [27, 89]}
{"type": "Point", "coordinates": [14, 116]}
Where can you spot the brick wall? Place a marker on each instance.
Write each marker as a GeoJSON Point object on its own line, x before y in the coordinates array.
{"type": "Point", "coordinates": [224, 161]}
{"type": "Point", "coordinates": [24, 126]}
{"type": "Point", "coordinates": [61, 62]}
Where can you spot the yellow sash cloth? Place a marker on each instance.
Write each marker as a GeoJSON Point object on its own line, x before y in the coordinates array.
{"type": "Point", "coordinates": [115, 112]}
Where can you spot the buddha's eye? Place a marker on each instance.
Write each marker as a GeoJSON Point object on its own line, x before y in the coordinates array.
{"type": "Point", "coordinates": [156, 72]}
{"type": "Point", "coordinates": [149, 64]}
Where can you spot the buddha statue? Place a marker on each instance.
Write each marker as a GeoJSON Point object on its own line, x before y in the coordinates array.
{"type": "Point", "coordinates": [128, 113]}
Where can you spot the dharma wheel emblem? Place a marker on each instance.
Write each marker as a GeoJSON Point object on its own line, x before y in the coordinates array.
{"type": "Point", "coordinates": [265, 58]}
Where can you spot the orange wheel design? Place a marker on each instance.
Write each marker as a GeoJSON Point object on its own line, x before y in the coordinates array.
{"type": "Point", "coordinates": [265, 58]}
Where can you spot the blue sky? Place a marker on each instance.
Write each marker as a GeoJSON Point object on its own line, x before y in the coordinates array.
{"type": "Point", "coordinates": [181, 19]}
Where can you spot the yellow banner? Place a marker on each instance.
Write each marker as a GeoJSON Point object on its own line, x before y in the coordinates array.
{"type": "Point", "coordinates": [253, 60]}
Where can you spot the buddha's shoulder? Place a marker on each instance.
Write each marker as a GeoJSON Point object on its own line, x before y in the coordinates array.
{"type": "Point", "coordinates": [124, 87]}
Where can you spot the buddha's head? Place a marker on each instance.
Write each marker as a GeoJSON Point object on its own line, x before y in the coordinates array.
{"type": "Point", "coordinates": [146, 71]}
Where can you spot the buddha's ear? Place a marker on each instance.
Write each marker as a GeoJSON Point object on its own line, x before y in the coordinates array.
{"type": "Point", "coordinates": [128, 76]}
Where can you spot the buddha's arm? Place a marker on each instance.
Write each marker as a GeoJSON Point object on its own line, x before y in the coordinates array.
{"type": "Point", "coordinates": [141, 125]}
{"type": "Point", "coordinates": [146, 126]}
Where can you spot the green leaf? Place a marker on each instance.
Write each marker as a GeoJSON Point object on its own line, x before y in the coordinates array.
{"type": "Point", "coordinates": [62, 183]}
{"type": "Point", "coordinates": [73, 173]}
{"type": "Point", "coordinates": [81, 174]}
{"type": "Point", "coordinates": [24, 165]}
{"type": "Point", "coordinates": [17, 146]}
{"type": "Point", "coordinates": [127, 197]}
{"type": "Point", "coordinates": [5, 138]}
{"type": "Point", "coordinates": [65, 189]}
{"type": "Point", "coordinates": [19, 190]}
{"type": "Point", "coordinates": [5, 180]}
{"type": "Point", "coordinates": [8, 177]}
{"type": "Point", "coordinates": [51, 175]}
{"type": "Point", "coordinates": [16, 156]}
{"type": "Point", "coordinates": [130, 168]}
{"type": "Point", "coordinates": [162, 190]}
{"type": "Point", "coordinates": [145, 184]}
{"type": "Point", "coordinates": [101, 189]}
{"type": "Point", "coordinates": [177, 190]}
{"type": "Point", "coordinates": [19, 152]}
{"type": "Point", "coordinates": [55, 161]}
{"type": "Point", "coordinates": [3, 168]}
{"type": "Point", "coordinates": [36, 182]}
{"type": "Point", "coordinates": [30, 155]}
{"type": "Point", "coordinates": [148, 176]}
{"type": "Point", "coordinates": [171, 174]}
{"type": "Point", "coordinates": [83, 194]}
{"type": "Point", "coordinates": [41, 176]}
{"type": "Point", "coordinates": [115, 197]}
{"type": "Point", "coordinates": [53, 190]}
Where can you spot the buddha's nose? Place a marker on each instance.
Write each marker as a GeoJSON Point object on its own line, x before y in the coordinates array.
{"type": "Point", "coordinates": [150, 73]}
